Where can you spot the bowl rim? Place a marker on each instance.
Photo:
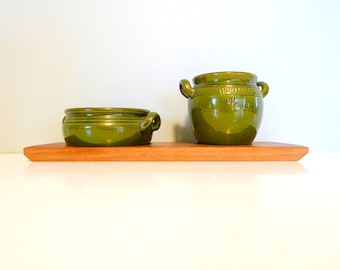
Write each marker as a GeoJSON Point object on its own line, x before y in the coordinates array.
{"type": "Point", "coordinates": [106, 110]}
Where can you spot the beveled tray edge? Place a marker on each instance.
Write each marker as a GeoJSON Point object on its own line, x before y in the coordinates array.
{"type": "Point", "coordinates": [168, 151]}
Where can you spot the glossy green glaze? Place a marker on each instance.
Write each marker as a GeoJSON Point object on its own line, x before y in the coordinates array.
{"type": "Point", "coordinates": [109, 126]}
{"type": "Point", "coordinates": [225, 107]}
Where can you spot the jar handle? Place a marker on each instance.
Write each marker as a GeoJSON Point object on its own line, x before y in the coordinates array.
{"type": "Point", "coordinates": [186, 89]}
{"type": "Point", "coordinates": [152, 119]}
{"type": "Point", "coordinates": [264, 88]}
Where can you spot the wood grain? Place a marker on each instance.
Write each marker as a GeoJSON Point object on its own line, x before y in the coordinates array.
{"type": "Point", "coordinates": [168, 151]}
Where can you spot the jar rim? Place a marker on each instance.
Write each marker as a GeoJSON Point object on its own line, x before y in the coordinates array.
{"type": "Point", "coordinates": [225, 76]}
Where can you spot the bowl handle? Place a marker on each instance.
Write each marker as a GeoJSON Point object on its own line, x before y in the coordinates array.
{"type": "Point", "coordinates": [264, 88]}
{"type": "Point", "coordinates": [186, 89]}
{"type": "Point", "coordinates": [152, 119]}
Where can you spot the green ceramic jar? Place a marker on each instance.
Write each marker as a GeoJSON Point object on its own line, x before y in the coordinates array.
{"type": "Point", "coordinates": [225, 107]}
{"type": "Point", "coordinates": [109, 126]}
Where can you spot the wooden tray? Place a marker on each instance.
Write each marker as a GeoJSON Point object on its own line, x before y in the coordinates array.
{"type": "Point", "coordinates": [168, 151]}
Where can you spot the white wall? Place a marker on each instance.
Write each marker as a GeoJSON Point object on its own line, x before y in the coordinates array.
{"type": "Point", "coordinates": [132, 53]}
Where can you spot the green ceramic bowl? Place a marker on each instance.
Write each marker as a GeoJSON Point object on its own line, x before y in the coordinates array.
{"type": "Point", "coordinates": [109, 126]}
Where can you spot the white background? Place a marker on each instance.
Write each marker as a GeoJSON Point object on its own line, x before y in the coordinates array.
{"type": "Point", "coordinates": [132, 53]}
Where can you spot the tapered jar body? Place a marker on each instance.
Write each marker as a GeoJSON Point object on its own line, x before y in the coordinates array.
{"type": "Point", "coordinates": [225, 107]}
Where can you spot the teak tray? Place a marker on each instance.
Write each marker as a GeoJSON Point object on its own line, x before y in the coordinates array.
{"type": "Point", "coordinates": [168, 151]}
